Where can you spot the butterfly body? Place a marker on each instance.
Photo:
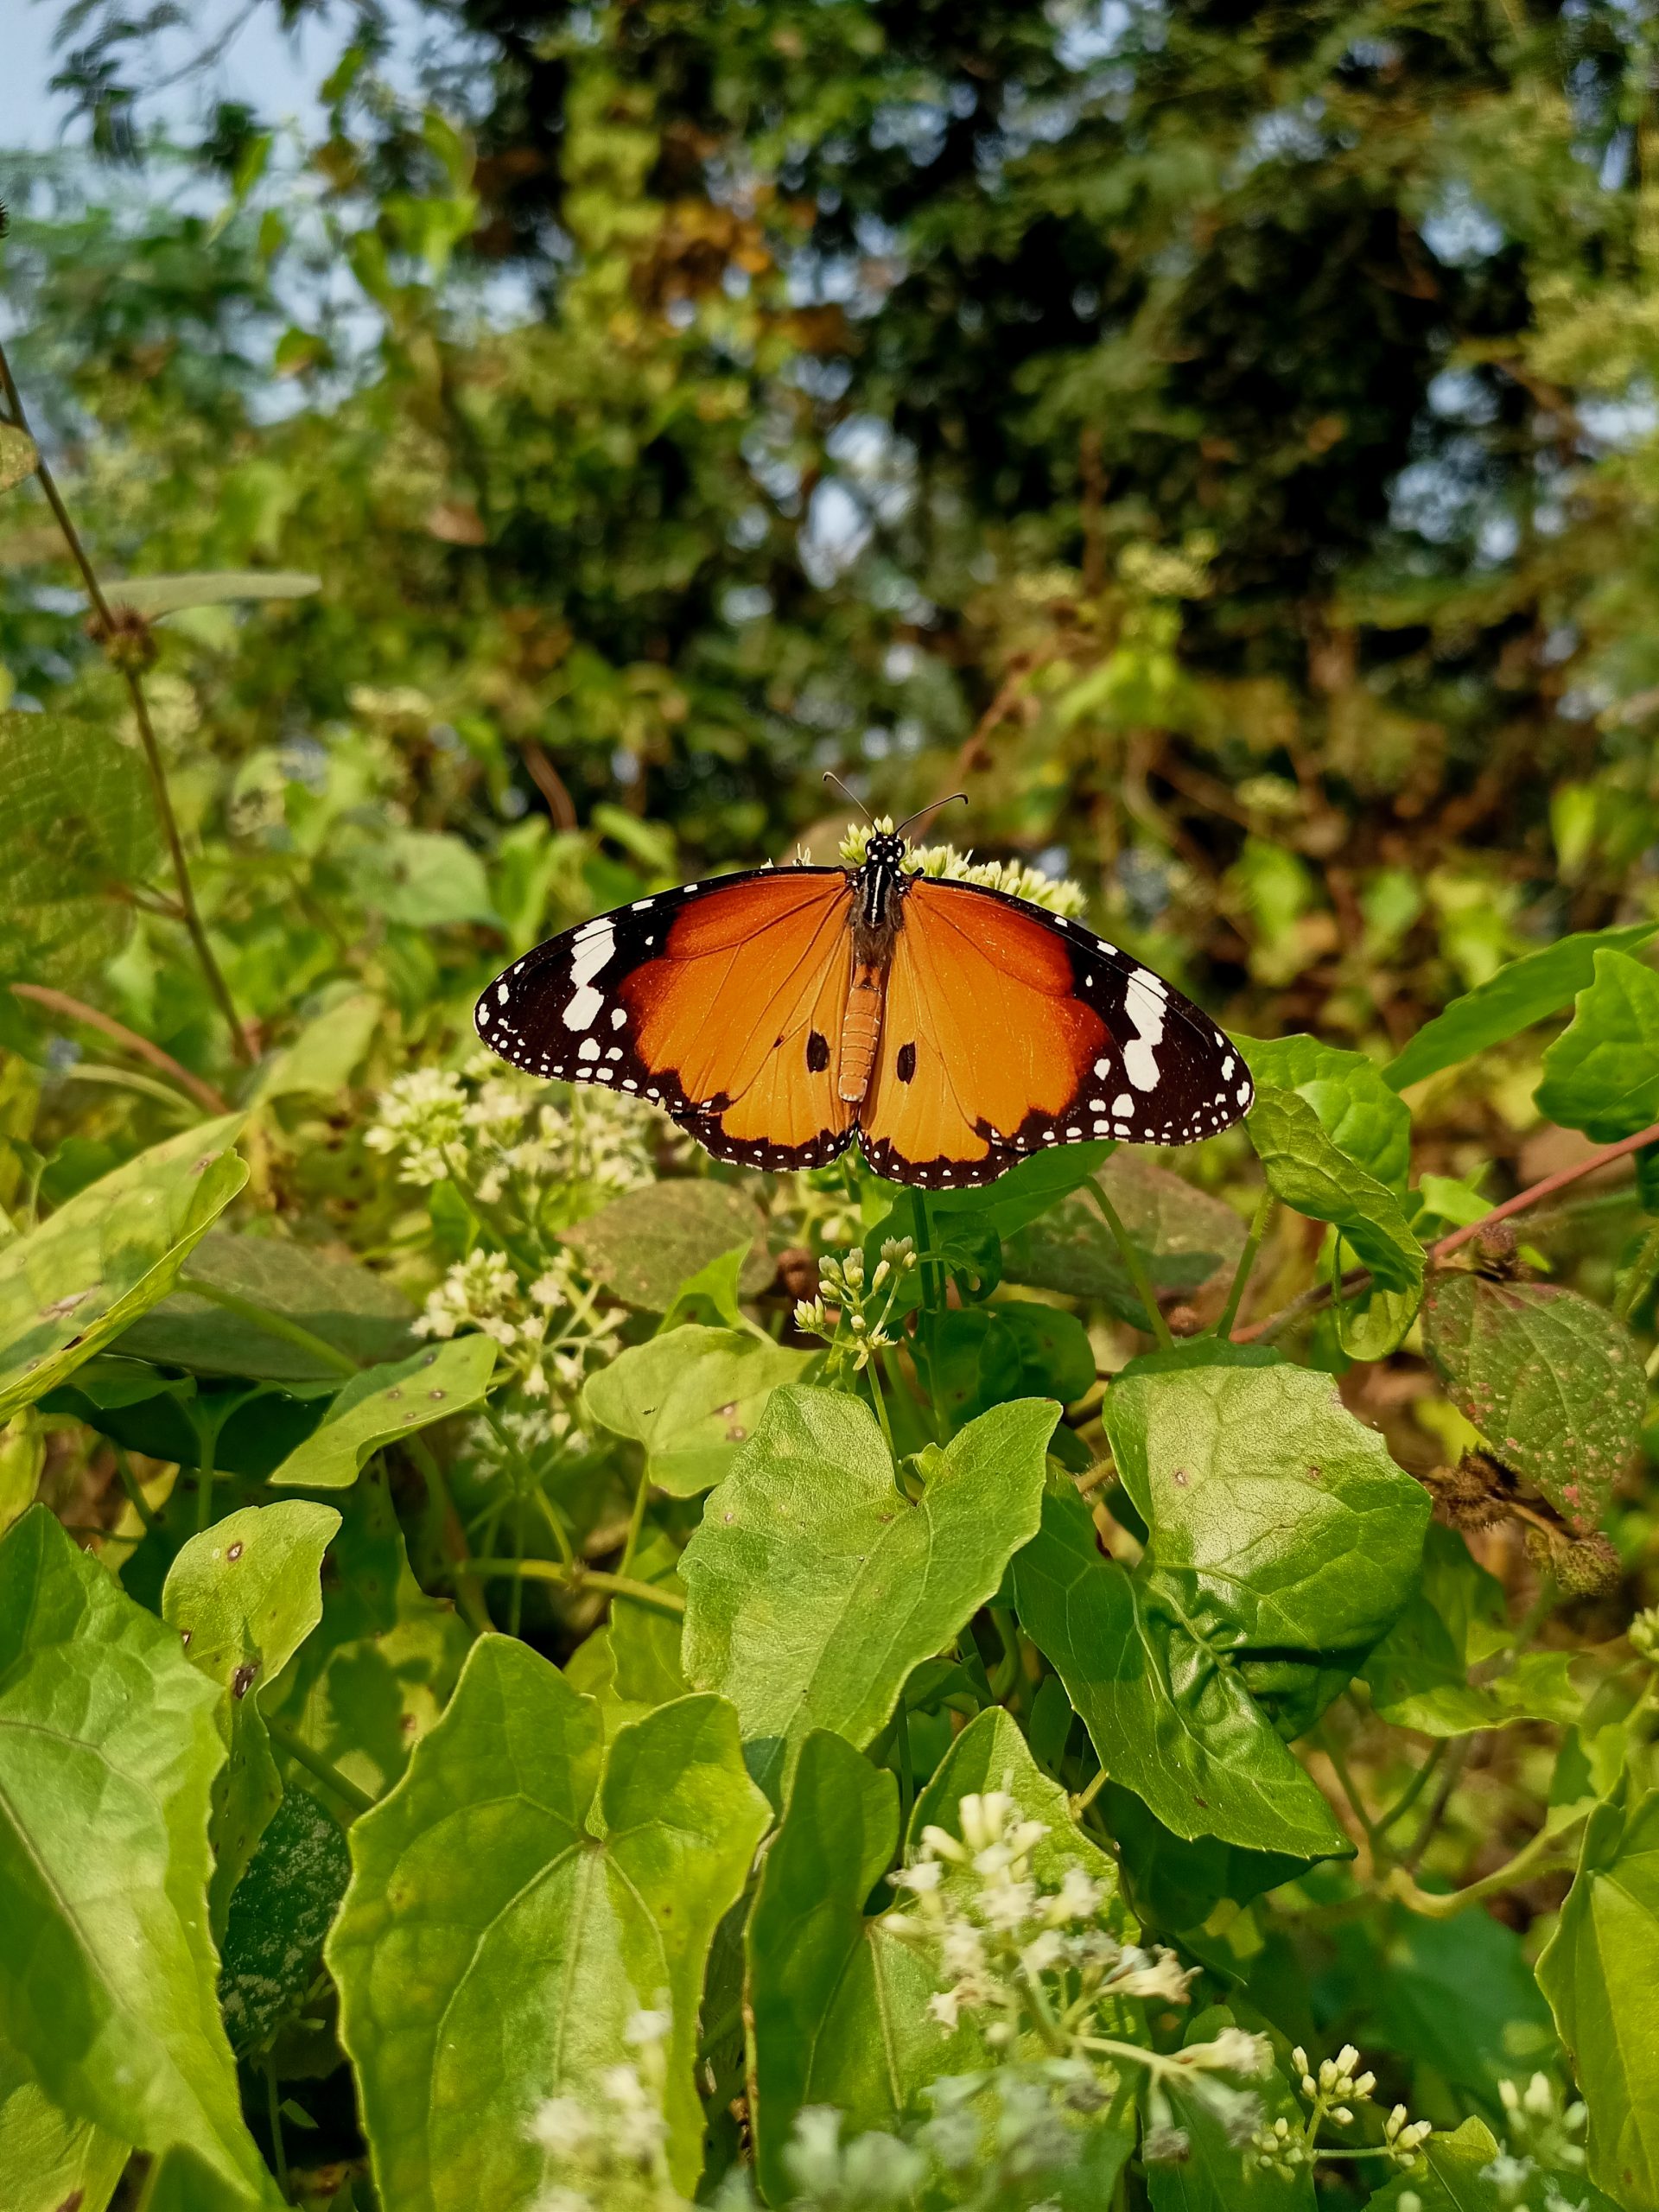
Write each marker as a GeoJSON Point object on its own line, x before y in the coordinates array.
{"type": "Point", "coordinates": [950, 1027]}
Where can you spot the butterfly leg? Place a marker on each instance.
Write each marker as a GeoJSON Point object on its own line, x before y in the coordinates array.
{"type": "Point", "coordinates": [859, 1033]}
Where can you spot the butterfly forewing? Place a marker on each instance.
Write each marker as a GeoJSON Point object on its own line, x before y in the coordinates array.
{"type": "Point", "coordinates": [1008, 1030]}
{"type": "Point", "coordinates": [721, 1003]}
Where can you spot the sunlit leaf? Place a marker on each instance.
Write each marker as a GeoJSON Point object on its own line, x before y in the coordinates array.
{"type": "Point", "coordinates": [154, 596]}
{"type": "Point", "coordinates": [1601, 1074]}
{"type": "Point", "coordinates": [814, 1584]}
{"type": "Point", "coordinates": [18, 456]}
{"type": "Point", "coordinates": [1305, 1168]}
{"type": "Point", "coordinates": [1600, 1972]}
{"type": "Point", "coordinates": [108, 1256]}
{"type": "Point", "coordinates": [517, 1849]}
{"type": "Point", "coordinates": [108, 1750]}
{"type": "Point", "coordinates": [78, 825]}
{"type": "Point", "coordinates": [384, 1403]}
{"type": "Point", "coordinates": [691, 1397]}
{"type": "Point", "coordinates": [46, 2159]}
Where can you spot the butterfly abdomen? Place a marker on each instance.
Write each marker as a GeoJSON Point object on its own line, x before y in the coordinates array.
{"type": "Point", "coordinates": [859, 1030]}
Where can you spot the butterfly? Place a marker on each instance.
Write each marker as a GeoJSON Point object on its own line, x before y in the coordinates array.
{"type": "Point", "coordinates": [954, 1030]}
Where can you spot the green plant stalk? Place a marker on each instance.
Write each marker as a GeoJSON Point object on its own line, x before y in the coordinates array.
{"type": "Point", "coordinates": [583, 1578]}
{"type": "Point", "coordinates": [1135, 1265]}
{"type": "Point", "coordinates": [1544, 1855]}
{"type": "Point", "coordinates": [1414, 1790]}
{"type": "Point", "coordinates": [932, 1288]}
{"type": "Point", "coordinates": [284, 1732]}
{"type": "Point", "coordinates": [274, 1324]}
{"type": "Point", "coordinates": [1246, 1262]}
{"type": "Point", "coordinates": [274, 2119]}
{"type": "Point", "coordinates": [1641, 1275]}
{"type": "Point", "coordinates": [207, 1448]}
{"type": "Point", "coordinates": [469, 1596]}
{"type": "Point", "coordinates": [130, 1483]}
{"type": "Point", "coordinates": [163, 797]}
{"type": "Point", "coordinates": [1339, 1766]}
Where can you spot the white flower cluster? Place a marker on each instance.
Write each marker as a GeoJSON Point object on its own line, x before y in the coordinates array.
{"type": "Point", "coordinates": [1334, 2091]}
{"type": "Point", "coordinates": [1545, 2156]}
{"type": "Point", "coordinates": [859, 1328]}
{"type": "Point", "coordinates": [497, 1133]}
{"type": "Point", "coordinates": [1060, 896]}
{"type": "Point", "coordinates": [550, 1334]}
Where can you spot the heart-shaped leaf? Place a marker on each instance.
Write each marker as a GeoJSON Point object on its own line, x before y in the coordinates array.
{"type": "Point", "coordinates": [814, 1584]}
{"type": "Point", "coordinates": [691, 1397]}
{"type": "Point", "coordinates": [646, 1244]}
{"type": "Point", "coordinates": [520, 1896]}
{"type": "Point", "coordinates": [1601, 1074]}
{"type": "Point", "coordinates": [1358, 1110]}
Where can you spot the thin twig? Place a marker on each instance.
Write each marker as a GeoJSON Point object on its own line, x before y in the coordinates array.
{"type": "Point", "coordinates": [1358, 1278]}
{"type": "Point", "coordinates": [1246, 1262]}
{"type": "Point", "coordinates": [1549, 1852]}
{"type": "Point", "coordinates": [76, 1010]}
{"type": "Point", "coordinates": [283, 1731]}
{"type": "Point", "coordinates": [108, 630]}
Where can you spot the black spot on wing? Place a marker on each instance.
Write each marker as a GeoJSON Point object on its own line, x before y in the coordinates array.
{"type": "Point", "coordinates": [904, 1066]}
{"type": "Point", "coordinates": [817, 1051]}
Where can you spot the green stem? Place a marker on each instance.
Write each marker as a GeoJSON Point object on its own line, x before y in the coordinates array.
{"type": "Point", "coordinates": [873, 1371]}
{"type": "Point", "coordinates": [636, 1521]}
{"type": "Point", "coordinates": [284, 1732]}
{"type": "Point", "coordinates": [1327, 1744]}
{"type": "Point", "coordinates": [274, 1324]}
{"type": "Point", "coordinates": [1543, 1855]}
{"type": "Point", "coordinates": [469, 1596]}
{"type": "Point", "coordinates": [206, 1447]}
{"type": "Point", "coordinates": [109, 629]}
{"type": "Point", "coordinates": [906, 1767]}
{"type": "Point", "coordinates": [555, 1523]}
{"type": "Point", "coordinates": [130, 1483]}
{"type": "Point", "coordinates": [584, 1578]}
{"type": "Point", "coordinates": [1640, 1276]}
{"type": "Point", "coordinates": [1246, 1261]}
{"type": "Point", "coordinates": [274, 2116]}
{"type": "Point", "coordinates": [1136, 1266]}
{"type": "Point", "coordinates": [1086, 1797]}
{"type": "Point", "coordinates": [931, 1275]}
{"type": "Point", "coordinates": [1414, 1790]}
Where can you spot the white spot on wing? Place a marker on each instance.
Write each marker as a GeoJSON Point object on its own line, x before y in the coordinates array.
{"type": "Point", "coordinates": [1123, 1103]}
{"type": "Point", "coordinates": [588, 1049]}
{"type": "Point", "coordinates": [501, 993]}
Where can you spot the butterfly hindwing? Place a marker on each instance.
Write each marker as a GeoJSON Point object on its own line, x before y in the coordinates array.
{"type": "Point", "coordinates": [719, 1003]}
{"type": "Point", "coordinates": [1008, 1030]}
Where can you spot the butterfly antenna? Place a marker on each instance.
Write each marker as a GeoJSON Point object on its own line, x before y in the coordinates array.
{"type": "Point", "coordinates": [845, 793]}
{"type": "Point", "coordinates": [932, 808]}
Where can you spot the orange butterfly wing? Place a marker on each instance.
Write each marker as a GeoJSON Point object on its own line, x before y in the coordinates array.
{"type": "Point", "coordinates": [1007, 1029]}
{"type": "Point", "coordinates": [722, 1003]}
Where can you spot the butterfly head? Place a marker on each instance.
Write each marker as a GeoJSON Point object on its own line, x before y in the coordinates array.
{"type": "Point", "coordinates": [885, 850]}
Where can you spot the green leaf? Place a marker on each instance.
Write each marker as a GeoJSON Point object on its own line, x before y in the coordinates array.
{"type": "Point", "coordinates": [713, 1295]}
{"type": "Point", "coordinates": [46, 2159]}
{"type": "Point", "coordinates": [1419, 1675]}
{"type": "Point", "coordinates": [691, 1397]}
{"type": "Point", "coordinates": [1600, 1972]}
{"type": "Point", "coordinates": [78, 823]}
{"type": "Point", "coordinates": [631, 1665]}
{"type": "Point", "coordinates": [244, 1595]}
{"type": "Point", "coordinates": [839, 2004]}
{"type": "Point", "coordinates": [93, 1266]}
{"type": "Point", "coordinates": [321, 1059]}
{"type": "Point", "coordinates": [1450, 2177]}
{"type": "Point", "coordinates": [985, 1356]}
{"type": "Point", "coordinates": [520, 1895]}
{"type": "Point", "coordinates": [23, 1462]}
{"type": "Point", "coordinates": [147, 1411]}
{"type": "Point", "coordinates": [18, 456]}
{"type": "Point", "coordinates": [155, 596]}
{"type": "Point", "coordinates": [108, 1750]}
{"type": "Point", "coordinates": [1185, 1237]}
{"type": "Point", "coordinates": [1554, 1384]}
{"type": "Point", "coordinates": [283, 1906]}
{"type": "Point", "coordinates": [1456, 1995]}
{"type": "Point", "coordinates": [1027, 1190]}
{"type": "Point", "coordinates": [345, 1304]}
{"type": "Point", "coordinates": [371, 1679]}
{"type": "Point", "coordinates": [1305, 1168]}
{"type": "Point", "coordinates": [646, 1244]}
{"type": "Point", "coordinates": [384, 1403]}
{"type": "Point", "coordinates": [1282, 1543]}
{"type": "Point", "coordinates": [1527, 990]}
{"type": "Point", "coordinates": [1358, 1110]}
{"type": "Point", "coordinates": [424, 879]}
{"type": "Point", "coordinates": [1175, 1884]}
{"type": "Point", "coordinates": [814, 1584]}
{"type": "Point", "coordinates": [1601, 1074]}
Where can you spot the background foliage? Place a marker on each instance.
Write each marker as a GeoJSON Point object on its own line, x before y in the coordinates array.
{"type": "Point", "coordinates": [1221, 441]}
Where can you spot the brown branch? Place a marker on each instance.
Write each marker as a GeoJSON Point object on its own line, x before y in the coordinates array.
{"type": "Point", "coordinates": [1358, 1278]}
{"type": "Point", "coordinates": [116, 638]}
{"type": "Point", "coordinates": [551, 785]}
{"type": "Point", "coordinates": [129, 1039]}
